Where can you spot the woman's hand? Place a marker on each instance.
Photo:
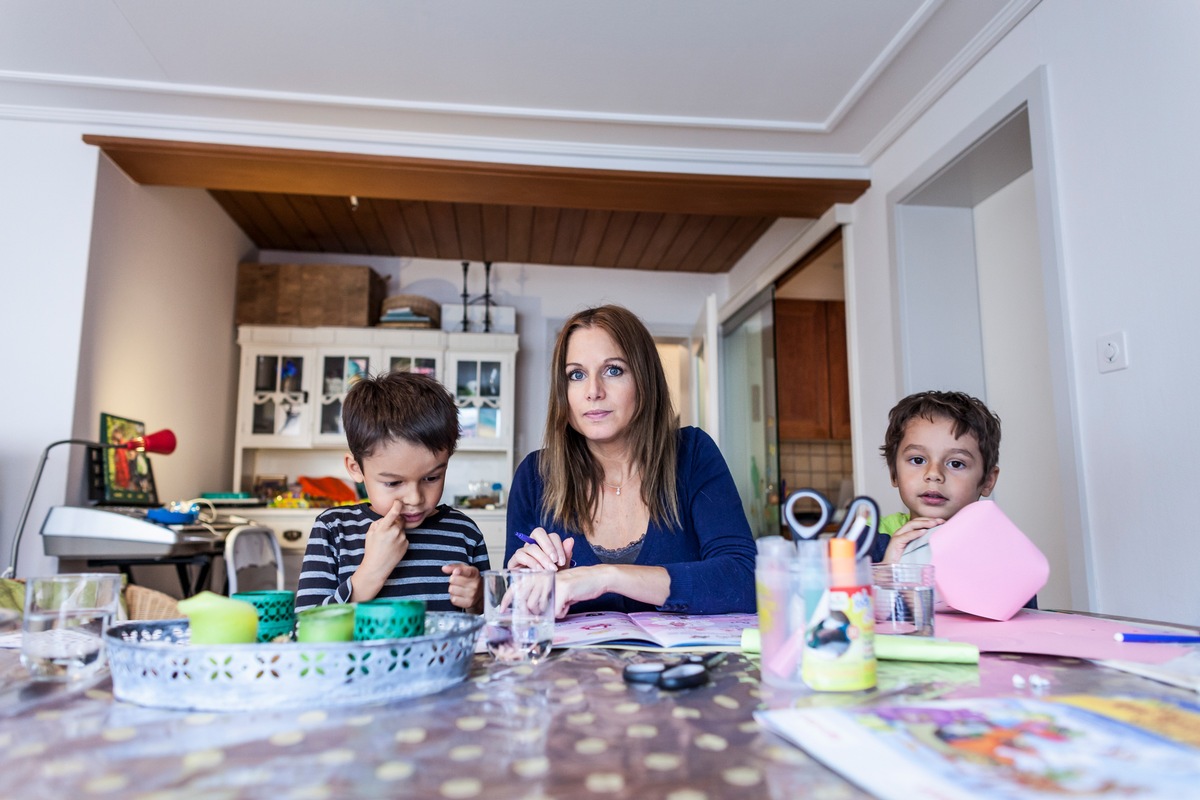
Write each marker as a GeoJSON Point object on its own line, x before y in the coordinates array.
{"type": "Point", "coordinates": [644, 584]}
{"type": "Point", "coordinates": [576, 585]}
{"type": "Point", "coordinates": [466, 587]}
{"type": "Point", "coordinates": [913, 529]}
{"type": "Point", "coordinates": [549, 551]}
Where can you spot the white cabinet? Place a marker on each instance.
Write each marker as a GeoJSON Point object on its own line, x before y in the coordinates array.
{"type": "Point", "coordinates": [293, 381]}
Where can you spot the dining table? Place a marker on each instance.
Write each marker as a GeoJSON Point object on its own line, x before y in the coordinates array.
{"type": "Point", "coordinates": [569, 726]}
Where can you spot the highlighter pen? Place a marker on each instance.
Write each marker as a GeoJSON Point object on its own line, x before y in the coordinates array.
{"type": "Point", "coordinates": [527, 539]}
{"type": "Point", "coordinates": [1157, 637]}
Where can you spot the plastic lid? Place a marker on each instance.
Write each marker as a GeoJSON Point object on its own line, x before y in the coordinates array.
{"type": "Point", "coordinates": [842, 562]}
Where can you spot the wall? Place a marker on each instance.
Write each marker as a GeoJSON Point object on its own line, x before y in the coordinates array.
{"type": "Point", "coordinates": [1123, 169]}
{"type": "Point", "coordinates": [1017, 373]}
{"type": "Point", "coordinates": [543, 297]}
{"type": "Point", "coordinates": [45, 227]}
{"type": "Point", "coordinates": [158, 333]}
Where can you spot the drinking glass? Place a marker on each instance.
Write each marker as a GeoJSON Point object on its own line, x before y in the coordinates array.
{"type": "Point", "coordinates": [65, 619]}
{"type": "Point", "coordinates": [518, 610]}
{"type": "Point", "coordinates": [903, 598]}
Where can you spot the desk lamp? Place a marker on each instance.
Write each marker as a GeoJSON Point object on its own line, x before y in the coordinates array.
{"type": "Point", "coordinates": [162, 442]}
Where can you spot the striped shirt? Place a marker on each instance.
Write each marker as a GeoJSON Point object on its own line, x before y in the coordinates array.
{"type": "Point", "coordinates": [337, 543]}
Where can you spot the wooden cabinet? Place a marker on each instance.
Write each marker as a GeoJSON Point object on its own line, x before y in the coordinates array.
{"type": "Point", "coordinates": [293, 381]}
{"type": "Point", "coordinates": [812, 377]}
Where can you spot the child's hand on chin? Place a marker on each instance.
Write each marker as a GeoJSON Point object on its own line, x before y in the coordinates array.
{"type": "Point", "coordinates": [913, 529]}
{"type": "Point", "coordinates": [466, 589]}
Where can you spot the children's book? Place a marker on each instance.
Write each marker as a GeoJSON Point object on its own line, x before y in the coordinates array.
{"type": "Point", "coordinates": [653, 630]}
{"type": "Point", "coordinates": [1026, 747]}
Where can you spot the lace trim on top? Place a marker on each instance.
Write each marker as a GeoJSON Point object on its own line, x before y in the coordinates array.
{"type": "Point", "coordinates": [621, 555]}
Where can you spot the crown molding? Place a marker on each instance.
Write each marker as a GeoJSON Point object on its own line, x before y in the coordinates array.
{"type": "Point", "coordinates": [967, 58]}
{"type": "Point", "coordinates": [374, 141]}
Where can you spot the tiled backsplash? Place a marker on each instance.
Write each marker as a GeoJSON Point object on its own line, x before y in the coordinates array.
{"type": "Point", "coordinates": [818, 464]}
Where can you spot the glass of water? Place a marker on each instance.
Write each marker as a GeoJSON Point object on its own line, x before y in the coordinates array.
{"type": "Point", "coordinates": [518, 610]}
{"type": "Point", "coordinates": [65, 619]}
{"type": "Point", "coordinates": [903, 598]}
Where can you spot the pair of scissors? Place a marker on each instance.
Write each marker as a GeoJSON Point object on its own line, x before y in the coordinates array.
{"type": "Point", "coordinates": [860, 525]}
{"type": "Point", "coordinates": [686, 673]}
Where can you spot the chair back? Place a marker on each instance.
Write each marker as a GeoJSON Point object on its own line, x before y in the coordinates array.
{"type": "Point", "coordinates": [253, 559]}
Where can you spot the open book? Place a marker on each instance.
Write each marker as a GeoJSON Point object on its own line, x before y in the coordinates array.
{"type": "Point", "coordinates": [652, 629]}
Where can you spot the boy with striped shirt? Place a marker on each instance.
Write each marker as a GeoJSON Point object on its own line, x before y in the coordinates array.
{"type": "Point", "coordinates": [402, 429]}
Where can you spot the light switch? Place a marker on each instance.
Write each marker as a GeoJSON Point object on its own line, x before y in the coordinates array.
{"type": "Point", "coordinates": [1112, 352]}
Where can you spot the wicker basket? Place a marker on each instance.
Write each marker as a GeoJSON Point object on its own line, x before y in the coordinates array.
{"type": "Point", "coordinates": [150, 604]}
{"type": "Point", "coordinates": [153, 665]}
{"type": "Point", "coordinates": [421, 306]}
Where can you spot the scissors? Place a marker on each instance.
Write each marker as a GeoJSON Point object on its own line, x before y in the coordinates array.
{"type": "Point", "coordinates": [687, 673]}
{"type": "Point", "coordinates": [860, 525]}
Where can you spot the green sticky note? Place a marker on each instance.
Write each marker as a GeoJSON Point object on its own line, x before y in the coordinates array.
{"type": "Point", "coordinates": [897, 648]}
{"type": "Point", "coordinates": [924, 648]}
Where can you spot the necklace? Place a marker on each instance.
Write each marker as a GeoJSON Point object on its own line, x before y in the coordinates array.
{"type": "Point", "coordinates": [617, 489]}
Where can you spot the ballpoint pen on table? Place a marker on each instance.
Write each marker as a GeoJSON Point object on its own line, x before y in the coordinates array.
{"type": "Point", "coordinates": [527, 539]}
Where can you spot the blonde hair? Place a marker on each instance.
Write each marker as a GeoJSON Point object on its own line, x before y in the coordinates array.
{"type": "Point", "coordinates": [573, 479]}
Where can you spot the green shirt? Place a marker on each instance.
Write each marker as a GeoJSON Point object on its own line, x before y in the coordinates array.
{"type": "Point", "coordinates": [894, 522]}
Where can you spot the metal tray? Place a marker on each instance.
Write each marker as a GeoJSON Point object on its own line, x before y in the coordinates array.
{"type": "Point", "coordinates": [153, 665]}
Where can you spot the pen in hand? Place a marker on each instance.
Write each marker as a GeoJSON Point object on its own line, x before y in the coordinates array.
{"type": "Point", "coordinates": [527, 539]}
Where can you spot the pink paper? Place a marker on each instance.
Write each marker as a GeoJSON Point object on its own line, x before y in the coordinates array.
{"type": "Point", "coordinates": [1055, 634]}
{"type": "Point", "coordinates": [983, 564]}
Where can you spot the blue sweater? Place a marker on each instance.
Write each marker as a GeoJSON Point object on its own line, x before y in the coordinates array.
{"type": "Point", "coordinates": [710, 556]}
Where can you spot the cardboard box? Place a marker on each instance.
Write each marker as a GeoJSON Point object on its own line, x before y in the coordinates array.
{"type": "Point", "coordinates": [309, 295]}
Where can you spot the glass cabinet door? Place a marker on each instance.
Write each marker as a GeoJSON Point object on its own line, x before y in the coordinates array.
{"type": "Point", "coordinates": [339, 371]}
{"type": "Point", "coordinates": [279, 402]}
{"type": "Point", "coordinates": [477, 390]}
{"type": "Point", "coordinates": [421, 365]}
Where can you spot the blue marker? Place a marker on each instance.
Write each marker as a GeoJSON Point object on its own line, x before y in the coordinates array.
{"type": "Point", "coordinates": [1157, 637]}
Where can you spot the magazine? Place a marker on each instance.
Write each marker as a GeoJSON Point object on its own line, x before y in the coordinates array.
{"type": "Point", "coordinates": [653, 629]}
{"type": "Point", "coordinates": [1011, 747]}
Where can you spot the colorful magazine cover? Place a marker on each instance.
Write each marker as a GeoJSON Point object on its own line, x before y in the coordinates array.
{"type": "Point", "coordinates": [1017, 747]}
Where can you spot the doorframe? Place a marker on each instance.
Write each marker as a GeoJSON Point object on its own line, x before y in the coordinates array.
{"type": "Point", "coordinates": [1032, 94]}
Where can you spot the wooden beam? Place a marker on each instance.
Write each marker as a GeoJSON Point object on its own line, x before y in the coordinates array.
{"type": "Point", "coordinates": [261, 169]}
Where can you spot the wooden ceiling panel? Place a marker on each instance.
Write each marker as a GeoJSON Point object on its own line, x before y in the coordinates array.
{"type": "Point", "coordinates": [520, 233]}
{"type": "Point", "coordinates": [590, 236]}
{"type": "Point", "coordinates": [615, 234]}
{"type": "Point", "coordinates": [541, 239]}
{"type": "Point", "coordinates": [420, 228]}
{"type": "Point", "coordinates": [495, 232]}
{"type": "Point", "coordinates": [566, 236]}
{"type": "Point", "coordinates": [444, 224]}
{"type": "Point", "coordinates": [423, 208]}
{"type": "Point", "coordinates": [469, 219]}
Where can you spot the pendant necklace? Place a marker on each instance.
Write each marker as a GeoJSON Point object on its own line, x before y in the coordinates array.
{"type": "Point", "coordinates": [617, 489]}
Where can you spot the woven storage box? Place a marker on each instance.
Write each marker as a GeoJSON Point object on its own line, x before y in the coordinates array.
{"type": "Point", "coordinates": [308, 295]}
{"type": "Point", "coordinates": [153, 665]}
{"type": "Point", "coordinates": [418, 305]}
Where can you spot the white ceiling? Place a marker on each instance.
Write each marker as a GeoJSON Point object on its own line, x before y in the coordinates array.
{"type": "Point", "coordinates": [769, 87]}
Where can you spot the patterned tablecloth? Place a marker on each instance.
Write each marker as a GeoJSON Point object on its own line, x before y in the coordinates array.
{"type": "Point", "coordinates": [567, 728]}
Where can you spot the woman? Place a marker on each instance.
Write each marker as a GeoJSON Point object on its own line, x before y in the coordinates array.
{"type": "Point", "coordinates": [635, 512]}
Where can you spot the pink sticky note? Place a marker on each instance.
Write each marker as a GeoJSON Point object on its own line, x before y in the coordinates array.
{"type": "Point", "coordinates": [983, 564]}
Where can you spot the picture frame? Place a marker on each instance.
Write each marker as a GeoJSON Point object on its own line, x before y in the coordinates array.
{"type": "Point", "coordinates": [128, 476]}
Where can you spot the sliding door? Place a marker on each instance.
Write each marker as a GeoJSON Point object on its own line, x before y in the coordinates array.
{"type": "Point", "coordinates": [749, 435]}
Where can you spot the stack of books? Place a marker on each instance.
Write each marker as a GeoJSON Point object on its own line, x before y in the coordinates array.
{"type": "Point", "coordinates": [404, 318]}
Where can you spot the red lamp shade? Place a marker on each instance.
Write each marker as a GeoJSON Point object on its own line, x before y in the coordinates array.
{"type": "Point", "coordinates": [158, 442]}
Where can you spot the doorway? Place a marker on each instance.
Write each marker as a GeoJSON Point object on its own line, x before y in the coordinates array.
{"type": "Point", "coordinates": [979, 311]}
{"type": "Point", "coordinates": [813, 376]}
